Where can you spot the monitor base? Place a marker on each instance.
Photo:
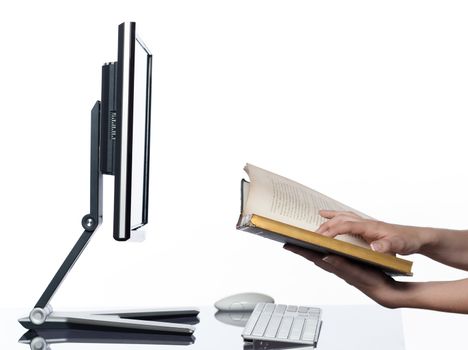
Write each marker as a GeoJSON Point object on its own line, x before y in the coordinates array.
{"type": "Point", "coordinates": [168, 321]}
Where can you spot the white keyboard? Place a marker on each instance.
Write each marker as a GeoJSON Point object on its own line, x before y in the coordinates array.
{"type": "Point", "coordinates": [284, 323]}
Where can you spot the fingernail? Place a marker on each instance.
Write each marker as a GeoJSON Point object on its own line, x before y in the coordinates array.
{"type": "Point", "coordinates": [376, 246]}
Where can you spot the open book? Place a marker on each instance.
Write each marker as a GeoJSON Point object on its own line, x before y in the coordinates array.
{"type": "Point", "coordinates": [281, 209]}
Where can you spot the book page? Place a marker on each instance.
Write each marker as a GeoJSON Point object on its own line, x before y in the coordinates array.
{"type": "Point", "coordinates": [278, 198]}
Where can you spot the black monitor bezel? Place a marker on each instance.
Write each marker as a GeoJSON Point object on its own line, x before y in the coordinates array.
{"type": "Point", "coordinates": [124, 133]}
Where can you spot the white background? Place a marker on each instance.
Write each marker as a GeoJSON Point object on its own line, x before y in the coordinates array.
{"type": "Point", "coordinates": [365, 101]}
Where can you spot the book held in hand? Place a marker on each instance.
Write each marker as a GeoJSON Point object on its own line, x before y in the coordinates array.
{"type": "Point", "coordinates": [275, 207]}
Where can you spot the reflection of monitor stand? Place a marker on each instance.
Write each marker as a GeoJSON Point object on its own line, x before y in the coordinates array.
{"type": "Point", "coordinates": [42, 316]}
{"type": "Point", "coordinates": [42, 339]}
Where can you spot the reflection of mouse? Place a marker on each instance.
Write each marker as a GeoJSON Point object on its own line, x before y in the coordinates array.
{"type": "Point", "coordinates": [242, 302]}
{"type": "Point", "coordinates": [233, 318]}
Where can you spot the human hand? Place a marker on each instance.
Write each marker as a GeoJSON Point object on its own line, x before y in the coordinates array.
{"type": "Point", "coordinates": [382, 237]}
{"type": "Point", "coordinates": [447, 296]}
{"type": "Point", "coordinates": [371, 281]}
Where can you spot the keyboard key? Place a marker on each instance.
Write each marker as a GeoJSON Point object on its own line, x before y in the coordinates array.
{"type": "Point", "coordinates": [259, 307]}
{"type": "Point", "coordinates": [262, 323]}
{"type": "Point", "coordinates": [296, 329]}
{"type": "Point", "coordinates": [285, 326]}
{"type": "Point", "coordinates": [314, 311]}
{"type": "Point", "coordinates": [253, 319]}
{"type": "Point", "coordinates": [273, 326]}
{"type": "Point", "coordinates": [303, 309]}
{"type": "Point", "coordinates": [309, 329]}
{"type": "Point", "coordinates": [269, 308]}
{"type": "Point", "coordinates": [292, 308]}
{"type": "Point", "coordinates": [280, 309]}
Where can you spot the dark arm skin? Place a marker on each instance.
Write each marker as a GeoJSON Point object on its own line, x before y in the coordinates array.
{"type": "Point", "coordinates": [447, 246]}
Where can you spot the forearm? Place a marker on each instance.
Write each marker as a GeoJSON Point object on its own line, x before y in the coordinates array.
{"type": "Point", "coordinates": [449, 247]}
{"type": "Point", "coordinates": [450, 296]}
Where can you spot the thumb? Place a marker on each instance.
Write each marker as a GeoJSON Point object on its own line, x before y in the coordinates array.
{"type": "Point", "coordinates": [388, 245]}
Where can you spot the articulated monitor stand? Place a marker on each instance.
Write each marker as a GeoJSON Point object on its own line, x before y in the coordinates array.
{"type": "Point", "coordinates": [42, 316]}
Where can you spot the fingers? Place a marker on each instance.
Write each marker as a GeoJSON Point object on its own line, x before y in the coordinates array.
{"type": "Point", "coordinates": [390, 245]}
{"type": "Point", "coordinates": [335, 217]}
{"type": "Point", "coordinates": [328, 214]}
{"type": "Point", "coordinates": [326, 228]}
{"type": "Point", "coordinates": [372, 231]}
{"type": "Point", "coordinates": [381, 246]}
{"type": "Point", "coordinates": [335, 264]}
{"type": "Point", "coordinates": [341, 226]}
{"type": "Point", "coordinates": [340, 266]}
{"type": "Point", "coordinates": [316, 258]}
{"type": "Point", "coordinates": [306, 253]}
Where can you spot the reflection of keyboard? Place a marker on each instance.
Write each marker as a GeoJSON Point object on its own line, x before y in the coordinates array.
{"type": "Point", "coordinates": [284, 323]}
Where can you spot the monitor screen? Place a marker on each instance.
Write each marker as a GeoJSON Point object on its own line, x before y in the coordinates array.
{"type": "Point", "coordinates": [133, 102]}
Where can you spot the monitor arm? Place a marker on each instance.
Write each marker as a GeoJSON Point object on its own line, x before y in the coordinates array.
{"type": "Point", "coordinates": [42, 316]}
{"type": "Point", "coordinates": [90, 223]}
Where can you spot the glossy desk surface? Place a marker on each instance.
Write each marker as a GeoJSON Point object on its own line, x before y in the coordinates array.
{"type": "Point", "coordinates": [344, 327]}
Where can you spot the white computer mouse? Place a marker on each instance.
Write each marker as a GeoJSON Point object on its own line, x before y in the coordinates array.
{"type": "Point", "coordinates": [242, 302]}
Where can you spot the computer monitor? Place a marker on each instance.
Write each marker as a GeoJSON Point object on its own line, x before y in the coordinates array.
{"type": "Point", "coordinates": [132, 151]}
{"type": "Point", "coordinates": [120, 140]}
{"type": "Point", "coordinates": [125, 130]}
